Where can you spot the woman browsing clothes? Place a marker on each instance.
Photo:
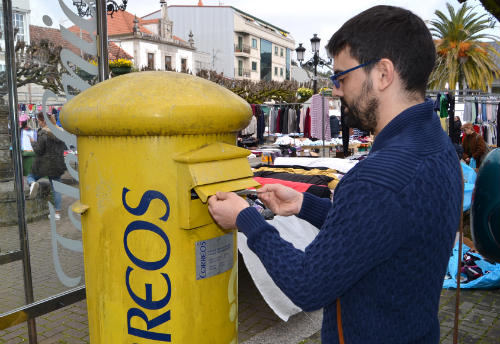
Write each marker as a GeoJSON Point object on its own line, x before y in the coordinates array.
{"type": "Point", "coordinates": [473, 145]}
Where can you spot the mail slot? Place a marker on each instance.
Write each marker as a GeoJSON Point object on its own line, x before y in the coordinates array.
{"type": "Point", "coordinates": [152, 147]}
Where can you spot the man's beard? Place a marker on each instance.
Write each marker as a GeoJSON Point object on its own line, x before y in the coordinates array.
{"type": "Point", "coordinates": [362, 112]}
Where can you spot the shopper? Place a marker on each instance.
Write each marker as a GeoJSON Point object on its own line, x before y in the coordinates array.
{"type": "Point", "coordinates": [473, 144]}
{"type": "Point", "coordinates": [381, 255]}
{"type": "Point", "coordinates": [49, 162]}
{"type": "Point", "coordinates": [457, 130]}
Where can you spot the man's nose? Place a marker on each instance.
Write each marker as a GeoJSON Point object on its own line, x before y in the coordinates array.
{"type": "Point", "coordinates": [337, 92]}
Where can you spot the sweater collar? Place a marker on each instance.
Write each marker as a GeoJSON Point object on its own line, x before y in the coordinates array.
{"type": "Point", "coordinates": [411, 118]}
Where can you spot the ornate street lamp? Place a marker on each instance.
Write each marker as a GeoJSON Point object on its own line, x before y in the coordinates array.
{"type": "Point", "coordinates": [314, 61]}
{"type": "Point", "coordinates": [111, 7]}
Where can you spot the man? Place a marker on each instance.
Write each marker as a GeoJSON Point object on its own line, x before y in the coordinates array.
{"type": "Point", "coordinates": [378, 262]}
{"type": "Point", "coordinates": [49, 161]}
{"type": "Point", "coordinates": [473, 144]}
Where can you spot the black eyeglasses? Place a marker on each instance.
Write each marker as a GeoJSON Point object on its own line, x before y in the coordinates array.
{"type": "Point", "coordinates": [335, 77]}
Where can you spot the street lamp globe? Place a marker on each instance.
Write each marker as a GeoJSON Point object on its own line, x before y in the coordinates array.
{"type": "Point", "coordinates": [300, 52]}
{"type": "Point", "coordinates": [315, 43]}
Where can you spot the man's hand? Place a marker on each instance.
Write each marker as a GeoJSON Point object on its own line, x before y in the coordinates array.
{"type": "Point", "coordinates": [225, 207]}
{"type": "Point", "coordinates": [280, 199]}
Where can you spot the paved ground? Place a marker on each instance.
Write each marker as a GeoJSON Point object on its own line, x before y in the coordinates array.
{"type": "Point", "coordinates": [479, 321]}
{"type": "Point", "coordinates": [480, 310]}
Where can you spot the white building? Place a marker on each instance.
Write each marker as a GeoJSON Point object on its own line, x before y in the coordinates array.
{"type": "Point", "coordinates": [153, 45]}
{"type": "Point", "coordinates": [240, 45]}
{"type": "Point", "coordinates": [21, 21]}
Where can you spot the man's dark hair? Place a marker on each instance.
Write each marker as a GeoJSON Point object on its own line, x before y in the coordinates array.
{"type": "Point", "coordinates": [393, 33]}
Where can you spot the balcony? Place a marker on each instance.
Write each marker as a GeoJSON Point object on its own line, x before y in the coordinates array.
{"type": "Point", "coordinates": [241, 73]}
{"type": "Point", "coordinates": [241, 49]}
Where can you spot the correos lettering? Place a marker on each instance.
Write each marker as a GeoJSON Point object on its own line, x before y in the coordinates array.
{"type": "Point", "coordinates": [148, 302]}
{"type": "Point", "coordinates": [203, 259]}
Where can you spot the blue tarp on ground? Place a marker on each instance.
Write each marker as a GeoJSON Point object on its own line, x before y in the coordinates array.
{"type": "Point", "coordinates": [469, 180]}
{"type": "Point", "coordinates": [489, 280]}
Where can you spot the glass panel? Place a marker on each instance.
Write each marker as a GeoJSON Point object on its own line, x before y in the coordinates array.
{"type": "Point", "coordinates": [265, 60]}
{"type": "Point", "coordinates": [67, 45]}
{"type": "Point", "coordinates": [57, 61]}
{"type": "Point", "coordinates": [11, 273]}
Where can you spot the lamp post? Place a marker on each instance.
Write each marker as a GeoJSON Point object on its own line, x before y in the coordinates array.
{"type": "Point", "coordinates": [314, 61]}
{"type": "Point", "coordinates": [111, 7]}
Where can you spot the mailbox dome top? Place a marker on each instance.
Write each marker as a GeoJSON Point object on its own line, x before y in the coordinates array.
{"type": "Point", "coordinates": [155, 103]}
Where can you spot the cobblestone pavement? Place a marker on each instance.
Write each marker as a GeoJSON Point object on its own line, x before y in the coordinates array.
{"type": "Point", "coordinates": [479, 320]}
{"type": "Point", "coordinates": [69, 324]}
{"type": "Point", "coordinates": [479, 311]}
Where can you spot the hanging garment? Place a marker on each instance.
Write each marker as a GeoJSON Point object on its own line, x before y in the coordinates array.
{"type": "Point", "coordinates": [273, 115]}
{"type": "Point", "coordinates": [467, 116]}
{"type": "Point", "coordinates": [292, 121]}
{"type": "Point", "coordinates": [251, 128]}
{"type": "Point", "coordinates": [473, 111]}
{"type": "Point", "coordinates": [307, 124]}
{"type": "Point", "coordinates": [284, 121]}
{"type": "Point", "coordinates": [489, 112]}
{"type": "Point", "coordinates": [443, 106]}
{"type": "Point", "coordinates": [320, 120]}
{"type": "Point", "coordinates": [484, 113]}
{"type": "Point", "coordinates": [278, 121]}
{"type": "Point", "coordinates": [437, 103]}
{"type": "Point", "coordinates": [303, 112]}
{"type": "Point", "coordinates": [297, 121]}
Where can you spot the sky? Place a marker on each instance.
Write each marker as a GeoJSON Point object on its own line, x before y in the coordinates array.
{"type": "Point", "coordinates": [301, 18]}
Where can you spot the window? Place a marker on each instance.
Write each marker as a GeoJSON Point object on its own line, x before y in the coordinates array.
{"type": "Point", "coordinates": [281, 52]}
{"type": "Point", "coordinates": [2, 68]}
{"type": "Point", "coordinates": [254, 43]}
{"type": "Point", "coordinates": [168, 62]}
{"type": "Point", "coordinates": [281, 71]}
{"type": "Point", "coordinates": [184, 65]}
{"type": "Point", "coordinates": [275, 50]}
{"type": "Point", "coordinates": [151, 61]}
{"type": "Point", "coordinates": [18, 21]}
{"type": "Point", "coordinates": [275, 70]}
{"type": "Point", "coordinates": [254, 66]}
{"type": "Point", "coordinates": [240, 43]}
{"type": "Point", "coordinates": [240, 67]}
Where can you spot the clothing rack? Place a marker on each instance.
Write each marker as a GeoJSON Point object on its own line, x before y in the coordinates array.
{"type": "Point", "coordinates": [469, 95]}
{"type": "Point", "coordinates": [489, 98]}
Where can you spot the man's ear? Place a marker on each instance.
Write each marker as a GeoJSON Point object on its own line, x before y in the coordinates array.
{"type": "Point", "coordinates": [384, 74]}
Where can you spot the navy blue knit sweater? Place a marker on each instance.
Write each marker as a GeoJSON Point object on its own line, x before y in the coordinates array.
{"type": "Point", "coordinates": [384, 242]}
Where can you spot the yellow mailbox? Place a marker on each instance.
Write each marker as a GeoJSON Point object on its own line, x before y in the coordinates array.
{"type": "Point", "coordinates": [152, 147]}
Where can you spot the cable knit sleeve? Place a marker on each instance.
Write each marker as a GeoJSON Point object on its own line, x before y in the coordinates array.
{"type": "Point", "coordinates": [314, 209]}
{"type": "Point", "coordinates": [362, 229]}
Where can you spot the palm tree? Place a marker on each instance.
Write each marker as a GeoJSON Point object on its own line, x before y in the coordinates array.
{"type": "Point", "coordinates": [462, 54]}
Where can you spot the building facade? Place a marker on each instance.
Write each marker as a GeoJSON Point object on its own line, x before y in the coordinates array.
{"type": "Point", "coordinates": [153, 45]}
{"type": "Point", "coordinates": [20, 20]}
{"type": "Point", "coordinates": [240, 45]}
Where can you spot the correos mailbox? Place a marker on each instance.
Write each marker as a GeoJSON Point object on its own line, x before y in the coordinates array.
{"type": "Point", "coordinates": [152, 147]}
